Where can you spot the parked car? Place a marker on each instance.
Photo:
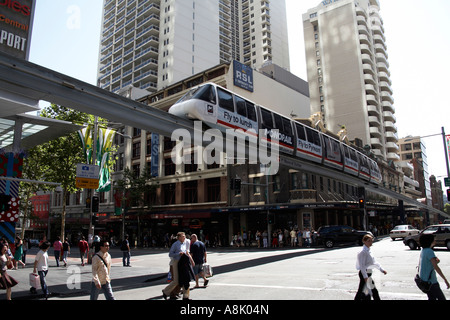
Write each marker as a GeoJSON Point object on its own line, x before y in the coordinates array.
{"type": "Point", "coordinates": [441, 234]}
{"type": "Point", "coordinates": [34, 243]}
{"type": "Point", "coordinates": [402, 231]}
{"type": "Point", "coordinates": [332, 235]}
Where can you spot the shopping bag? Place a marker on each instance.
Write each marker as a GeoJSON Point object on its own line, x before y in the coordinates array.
{"type": "Point", "coordinates": [34, 281]}
{"type": "Point", "coordinates": [207, 269]}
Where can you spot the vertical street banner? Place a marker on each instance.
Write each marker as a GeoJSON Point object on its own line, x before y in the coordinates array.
{"type": "Point", "coordinates": [105, 140]}
{"type": "Point", "coordinates": [11, 165]}
{"type": "Point", "coordinates": [155, 155]}
{"type": "Point", "coordinates": [16, 24]}
{"type": "Point", "coordinates": [104, 145]}
{"type": "Point", "coordinates": [448, 144]}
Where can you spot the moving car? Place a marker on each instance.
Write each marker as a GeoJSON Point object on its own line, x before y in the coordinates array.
{"type": "Point", "coordinates": [331, 235]}
{"type": "Point", "coordinates": [402, 231]}
{"type": "Point", "coordinates": [441, 234]}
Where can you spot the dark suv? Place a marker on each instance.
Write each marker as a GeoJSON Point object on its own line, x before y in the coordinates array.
{"type": "Point", "coordinates": [331, 235]}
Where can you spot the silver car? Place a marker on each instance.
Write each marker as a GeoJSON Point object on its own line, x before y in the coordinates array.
{"type": "Point", "coordinates": [403, 231]}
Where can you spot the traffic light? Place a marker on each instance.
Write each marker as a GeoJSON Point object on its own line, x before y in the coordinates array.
{"type": "Point", "coordinates": [270, 218]}
{"type": "Point", "coordinates": [448, 194]}
{"type": "Point", "coordinates": [95, 203]}
{"type": "Point", "coordinates": [4, 202]}
{"type": "Point", "coordinates": [237, 185]}
{"type": "Point", "coordinates": [362, 203]}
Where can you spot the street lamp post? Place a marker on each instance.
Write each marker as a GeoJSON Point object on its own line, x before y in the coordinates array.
{"type": "Point", "coordinates": [444, 137]}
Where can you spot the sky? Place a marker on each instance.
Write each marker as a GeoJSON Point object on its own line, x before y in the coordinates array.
{"type": "Point", "coordinates": [66, 37]}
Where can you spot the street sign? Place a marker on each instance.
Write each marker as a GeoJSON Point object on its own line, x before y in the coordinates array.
{"type": "Point", "coordinates": [87, 176]}
{"type": "Point", "coordinates": [447, 182]}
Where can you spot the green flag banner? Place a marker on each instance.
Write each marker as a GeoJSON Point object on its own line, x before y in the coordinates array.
{"type": "Point", "coordinates": [105, 140]}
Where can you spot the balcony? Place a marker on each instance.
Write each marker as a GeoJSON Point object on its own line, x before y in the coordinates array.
{"type": "Point", "coordinates": [391, 136]}
{"type": "Point", "coordinates": [376, 143]}
{"type": "Point", "coordinates": [385, 96]}
{"type": "Point", "coordinates": [393, 156]}
{"type": "Point", "coordinates": [373, 110]}
{"type": "Point", "coordinates": [390, 126]}
{"type": "Point", "coordinates": [387, 106]}
{"type": "Point", "coordinates": [389, 116]}
{"type": "Point", "coordinates": [368, 79]}
{"type": "Point", "coordinates": [371, 99]}
{"type": "Point", "coordinates": [374, 121]}
{"type": "Point", "coordinates": [375, 131]}
{"type": "Point", "coordinates": [370, 89]}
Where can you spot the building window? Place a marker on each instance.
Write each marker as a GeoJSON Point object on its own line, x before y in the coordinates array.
{"type": "Point", "coordinates": [136, 150]}
{"type": "Point", "coordinates": [190, 191]}
{"type": "Point", "coordinates": [294, 184]}
{"type": "Point", "coordinates": [213, 189]}
{"type": "Point", "coordinates": [169, 193]}
{"type": "Point", "coordinates": [276, 183]}
{"type": "Point", "coordinates": [169, 167]}
{"type": "Point", "coordinates": [257, 185]}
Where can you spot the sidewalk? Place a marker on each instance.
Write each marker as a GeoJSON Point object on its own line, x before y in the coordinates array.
{"type": "Point", "coordinates": [74, 281]}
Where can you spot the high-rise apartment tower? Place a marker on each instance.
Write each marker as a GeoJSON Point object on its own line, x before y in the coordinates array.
{"type": "Point", "coordinates": [152, 44]}
{"type": "Point", "coordinates": [348, 72]}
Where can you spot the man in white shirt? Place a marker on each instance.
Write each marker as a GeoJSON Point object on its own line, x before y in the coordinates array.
{"type": "Point", "coordinates": [179, 248]}
{"type": "Point", "coordinates": [365, 263]}
{"type": "Point", "coordinates": [101, 268]}
{"type": "Point", "coordinates": [41, 266]}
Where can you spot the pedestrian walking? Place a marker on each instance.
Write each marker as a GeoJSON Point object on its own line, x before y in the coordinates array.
{"type": "Point", "coordinates": [198, 253]}
{"type": "Point", "coordinates": [18, 253]}
{"type": "Point", "coordinates": [126, 252]}
{"type": "Point", "coordinates": [84, 248]}
{"type": "Point", "coordinates": [307, 238]}
{"type": "Point", "coordinates": [57, 246]}
{"type": "Point", "coordinates": [25, 246]}
{"type": "Point", "coordinates": [365, 262]}
{"type": "Point", "coordinates": [41, 266]}
{"type": "Point", "coordinates": [293, 235]}
{"type": "Point", "coordinates": [6, 281]}
{"type": "Point", "coordinates": [265, 236]}
{"type": "Point", "coordinates": [428, 267]}
{"type": "Point", "coordinates": [178, 249]}
{"type": "Point", "coordinates": [65, 251]}
{"type": "Point", "coordinates": [101, 273]}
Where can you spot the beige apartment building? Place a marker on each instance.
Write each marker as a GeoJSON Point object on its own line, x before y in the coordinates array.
{"type": "Point", "coordinates": [348, 72]}
{"type": "Point", "coordinates": [413, 153]}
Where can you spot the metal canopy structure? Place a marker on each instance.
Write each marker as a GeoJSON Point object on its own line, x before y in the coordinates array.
{"type": "Point", "coordinates": [24, 78]}
{"type": "Point", "coordinates": [33, 130]}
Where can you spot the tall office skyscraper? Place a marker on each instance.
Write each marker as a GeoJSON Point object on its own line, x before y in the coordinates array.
{"type": "Point", "coordinates": [154, 43]}
{"type": "Point", "coordinates": [348, 72]}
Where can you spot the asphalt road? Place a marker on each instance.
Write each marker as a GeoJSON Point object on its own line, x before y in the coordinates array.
{"type": "Point", "coordinates": [244, 274]}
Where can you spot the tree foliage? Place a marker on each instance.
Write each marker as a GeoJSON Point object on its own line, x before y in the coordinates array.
{"type": "Point", "coordinates": [56, 160]}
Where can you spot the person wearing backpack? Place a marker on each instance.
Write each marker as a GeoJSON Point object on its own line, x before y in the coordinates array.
{"type": "Point", "coordinates": [125, 248]}
{"type": "Point", "coordinates": [101, 271]}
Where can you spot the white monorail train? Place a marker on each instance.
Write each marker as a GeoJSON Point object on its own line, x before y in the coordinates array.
{"type": "Point", "coordinates": [220, 108]}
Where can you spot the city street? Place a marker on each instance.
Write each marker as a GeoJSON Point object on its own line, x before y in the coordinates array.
{"type": "Point", "coordinates": [244, 274]}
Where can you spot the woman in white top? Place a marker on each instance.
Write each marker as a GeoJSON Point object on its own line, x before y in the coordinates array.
{"type": "Point", "coordinates": [365, 263]}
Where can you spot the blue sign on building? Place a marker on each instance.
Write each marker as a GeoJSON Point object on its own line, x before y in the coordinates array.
{"type": "Point", "coordinates": [155, 155]}
{"type": "Point", "coordinates": [243, 76]}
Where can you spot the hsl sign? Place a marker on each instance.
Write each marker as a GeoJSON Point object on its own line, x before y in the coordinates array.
{"type": "Point", "coordinates": [243, 76]}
